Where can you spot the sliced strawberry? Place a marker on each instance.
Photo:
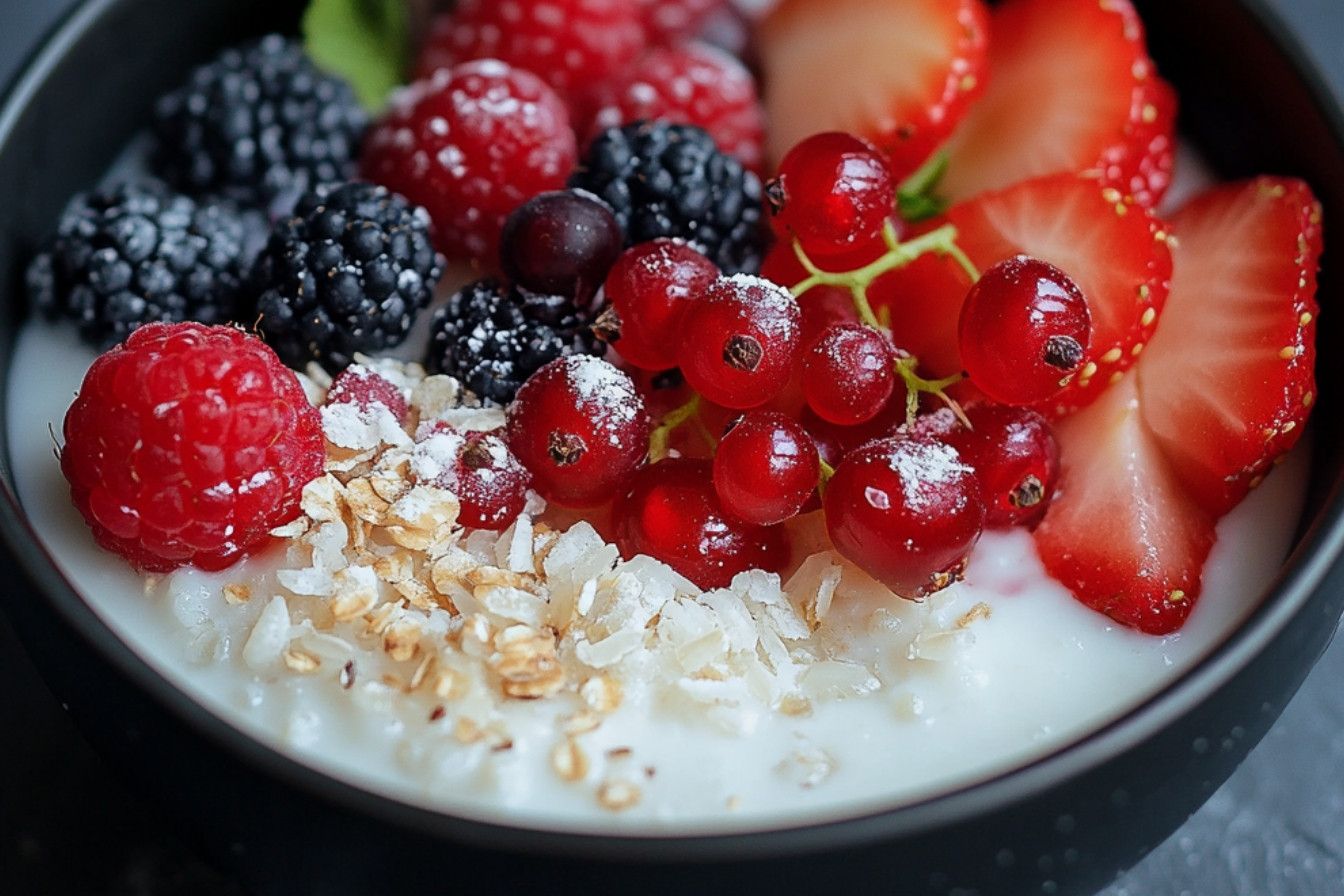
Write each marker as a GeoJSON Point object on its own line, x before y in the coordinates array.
{"type": "Point", "coordinates": [1142, 165]}
{"type": "Point", "coordinates": [1228, 378]}
{"type": "Point", "coordinates": [1070, 90]}
{"type": "Point", "coordinates": [901, 75]}
{"type": "Point", "coordinates": [1114, 250]}
{"type": "Point", "coordinates": [1122, 533]}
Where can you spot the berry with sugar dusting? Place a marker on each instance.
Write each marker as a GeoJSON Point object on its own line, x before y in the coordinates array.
{"type": "Point", "coordinates": [366, 389]}
{"type": "Point", "coordinates": [907, 510]}
{"type": "Point", "coordinates": [648, 290]}
{"type": "Point", "coordinates": [493, 337]}
{"type": "Point", "coordinates": [349, 271]}
{"type": "Point", "coordinates": [261, 124]}
{"type": "Point", "coordinates": [580, 427]}
{"type": "Point", "coordinates": [741, 341]}
{"type": "Point", "coordinates": [664, 179]}
{"type": "Point", "coordinates": [137, 253]}
{"type": "Point", "coordinates": [187, 444]}
{"type": "Point", "coordinates": [478, 467]}
{"type": "Point", "coordinates": [572, 45]}
{"type": "Point", "coordinates": [471, 143]}
{"type": "Point", "coordinates": [690, 83]}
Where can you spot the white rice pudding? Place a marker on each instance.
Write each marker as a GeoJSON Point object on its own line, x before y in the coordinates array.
{"type": "Point", "coordinates": [779, 701]}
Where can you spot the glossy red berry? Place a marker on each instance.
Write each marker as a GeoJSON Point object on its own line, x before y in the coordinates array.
{"type": "Point", "coordinates": [907, 510]}
{"type": "Point", "coordinates": [739, 341]}
{"type": "Point", "coordinates": [648, 289]}
{"type": "Point", "coordinates": [765, 468]}
{"type": "Point", "coordinates": [478, 467]}
{"type": "Point", "coordinates": [849, 373]}
{"type": "Point", "coordinates": [1015, 455]}
{"type": "Point", "coordinates": [580, 428]}
{"type": "Point", "coordinates": [672, 513]}
{"type": "Point", "coordinates": [833, 192]}
{"type": "Point", "coordinates": [1024, 330]}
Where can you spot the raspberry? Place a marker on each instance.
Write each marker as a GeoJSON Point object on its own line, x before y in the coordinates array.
{"type": "Point", "coordinates": [367, 389]}
{"type": "Point", "coordinates": [572, 45]}
{"type": "Point", "coordinates": [261, 124]}
{"type": "Point", "coordinates": [670, 21]}
{"type": "Point", "coordinates": [493, 337]}
{"type": "Point", "coordinates": [187, 444]}
{"type": "Point", "coordinates": [692, 83]}
{"type": "Point", "coordinates": [664, 179]}
{"type": "Point", "coordinates": [348, 272]}
{"type": "Point", "coordinates": [138, 253]}
{"type": "Point", "coordinates": [471, 143]}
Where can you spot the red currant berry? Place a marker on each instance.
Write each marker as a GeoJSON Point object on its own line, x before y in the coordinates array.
{"type": "Point", "coordinates": [765, 468]}
{"type": "Point", "coordinates": [648, 289]}
{"type": "Point", "coordinates": [849, 373]}
{"type": "Point", "coordinates": [560, 243]}
{"type": "Point", "coordinates": [907, 510]}
{"type": "Point", "coordinates": [740, 341]}
{"type": "Point", "coordinates": [1024, 330]}
{"type": "Point", "coordinates": [1014, 452]}
{"type": "Point", "coordinates": [672, 513]}
{"type": "Point", "coordinates": [833, 192]}
{"type": "Point", "coordinates": [580, 428]}
{"type": "Point", "coordinates": [478, 467]}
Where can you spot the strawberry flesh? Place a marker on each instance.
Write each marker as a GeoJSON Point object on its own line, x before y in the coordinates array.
{"type": "Point", "coordinates": [901, 75]}
{"type": "Point", "coordinates": [1228, 378]}
{"type": "Point", "coordinates": [1071, 89]}
{"type": "Point", "coordinates": [1122, 532]}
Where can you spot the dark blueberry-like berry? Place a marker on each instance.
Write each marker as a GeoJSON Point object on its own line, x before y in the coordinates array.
{"type": "Point", "coordinates": [348, 272]}
{"type": "Point", "coordinates": [492, 337]}
{"type": "Point", "coordinates": [665, 179]}
{"type": "Point", "coordinates": [261, 124]}
{"type": "Point", "coordinates": [137, 253]}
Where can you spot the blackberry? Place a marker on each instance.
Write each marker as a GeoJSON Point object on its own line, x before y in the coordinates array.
{"type": "Point", "coordinates": [664, 179]}
{"type": "Point", "coordinates": [136, 253]}
{"type": "Point", "coordinates": [492, 337]}
{"type": "Point", "coordinates": [260, 124]}
{"type": "Point", "coordinates": [348, 271]}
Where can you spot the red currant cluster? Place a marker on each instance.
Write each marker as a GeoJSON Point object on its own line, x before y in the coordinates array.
{"type": "Point", "coordinates": [748, 402]}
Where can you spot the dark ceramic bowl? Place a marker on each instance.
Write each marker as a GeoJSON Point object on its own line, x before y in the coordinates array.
{"type": "Point", "coordinates": [1064, 824]}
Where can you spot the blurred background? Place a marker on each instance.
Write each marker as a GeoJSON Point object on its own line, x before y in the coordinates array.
{"type": "Point", "coordinates": [67, 826]}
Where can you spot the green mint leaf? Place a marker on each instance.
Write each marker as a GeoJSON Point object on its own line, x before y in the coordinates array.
{"type": "Point", "coordinates": [364, 41]}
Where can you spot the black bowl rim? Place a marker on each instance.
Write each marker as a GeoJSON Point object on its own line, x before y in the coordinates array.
{"type": "Point", "coordinates": [1317, 552]}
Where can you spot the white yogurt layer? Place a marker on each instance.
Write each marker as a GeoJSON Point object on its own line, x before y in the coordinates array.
{"type": "Point", "coordinates": [740, 716]}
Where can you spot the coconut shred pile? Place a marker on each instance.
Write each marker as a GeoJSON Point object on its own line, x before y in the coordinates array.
{"type": "Point", "coordinates": [382, 601]}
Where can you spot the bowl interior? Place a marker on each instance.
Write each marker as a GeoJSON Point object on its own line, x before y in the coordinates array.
{"type": "Point", "coordinates": [1250, 102]}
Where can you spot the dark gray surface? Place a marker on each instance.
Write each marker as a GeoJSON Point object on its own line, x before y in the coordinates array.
{"type": "Point", "coordinates": [67, 827]}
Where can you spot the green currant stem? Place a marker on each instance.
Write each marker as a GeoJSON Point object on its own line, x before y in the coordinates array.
{"type": "Point", "coordinates": [941, 240]}
{"type": "Point", "coordinates": [827, 471]}
{"type": "Point", "coordinates": [661, 436]}
{"type": "Point", "coordinates": [915, 384]}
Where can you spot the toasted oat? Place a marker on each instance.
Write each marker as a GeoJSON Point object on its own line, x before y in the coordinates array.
{"type": "Point", "coordinates": [237, 593]}
{"type": "Point", "coordinates": [618, 794]}
{"type": "Point", "coordinates": [301, 661]}
{"type": "Point", "coordinates": [602, 693]}
{"type": "Point", "coordinates": [569, 761]}
{"type": "Point", "coordinates": [527, 663]}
